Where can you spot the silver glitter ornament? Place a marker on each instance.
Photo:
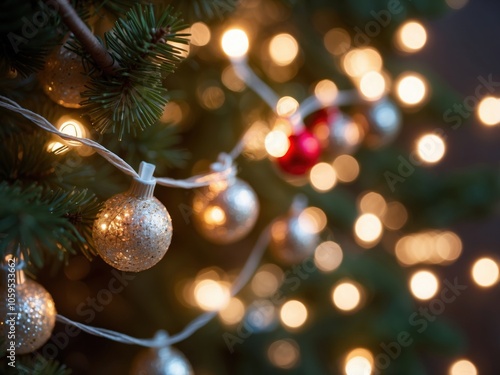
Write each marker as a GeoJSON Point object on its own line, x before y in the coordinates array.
{"type": "Point", "coordinates": [382, 123]}
{"type": "Point", "coordinates": [133, 230]}
{"type": "Point", "coordinates": [34, 315]}
{"type": "Point", "coordinates": [225, 211]}
{"type": "Point", "coordinates": [292, 239]}
{"type": "Point", "coordinates": [162, 361]}
{"type": "Point", "coordinates": [63, 77]}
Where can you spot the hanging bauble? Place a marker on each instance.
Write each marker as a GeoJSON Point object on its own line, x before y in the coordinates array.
{"type": "Point", "coordinates": [293, 238]}
{"type": "Point", "coordinates": [31, 316]}
{"type": "Point", "coordinates": [63, 77]}
{"type": "Point", "coordinates": [382, 123]}
{"type": "Point", "coordinates": [225, 211]}
{"type": "Point", "coordinates": [133, 230]}
{"type": "Point", "coordinates": [302, 155]}
{"type": "Point", "coordinates": [162, 361]}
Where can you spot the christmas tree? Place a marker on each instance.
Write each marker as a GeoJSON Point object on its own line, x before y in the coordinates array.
{"type": "Point", "coordinates": [270, 147]}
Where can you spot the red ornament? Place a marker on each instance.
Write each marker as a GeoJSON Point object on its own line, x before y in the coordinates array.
{"type": "Point", "coordinates": [302, 155]}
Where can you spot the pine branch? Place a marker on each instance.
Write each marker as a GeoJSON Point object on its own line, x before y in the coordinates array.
{"type": "Point", "coordinates": [134, 97]}
{"type": "Point", "coordinates": [38, 365]}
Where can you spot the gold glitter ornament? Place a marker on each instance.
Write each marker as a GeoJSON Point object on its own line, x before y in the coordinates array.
{"type": "Point", "coordinates": [291, 240]}
{"type": "Point", "coordinates": [162, 361]}
{"type": "Point", "coordinates": [63, 77]}
{"type": "Point", "coordinates": [226, 211]}
{"type": "Point", "coordinates": [133, 230]}
{"type": "Point", "coordinates": [31, 318]}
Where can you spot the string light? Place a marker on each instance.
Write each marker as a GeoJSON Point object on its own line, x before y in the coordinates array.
{"type": "Point", "coordinates": [312, 220]}
{"type": "Point", "coordinates": [372, 85]}
{"type": "Point", "coordinates": [326, 91]}
{"type": "Point", "coordinates": [200, 34]}
{"type": "Point", "coordinates": [323, 177]}
{"type": "Point", "coordinates": [211, 295]}
{"type": "Point", "coordinates": [373, 203]}
{"type": "Point", "coordinates": [277, 143]}
{"type": "Point", "coordinates": [283, 49]}
{"type": "Point", "coordinates": [431, 148]}
{"type": "Point", "coordinates": [235, 43]}
{"type": "Point", "coordinates": [359, 61]}
{"type": "Point", "coordinates": [424, 285]}
{"type": "Point", "coordinates": [346, 296]}
{"type": "Point", "coordinates": [485, 272]}
{"type": "Point", "coordinates": [359, 361]}
{"type": "Point", "coordinates": [488, 111]}
{"type": "Point", "coordinates": [293, 314]}
{"type": "Point", "coordinates": [463, 367]}
{"type": "Point", "coordinates": [233, 313]}
{"type": "Point", "coordinates": [411, 89]}
{"type": "Point", "coordinates": [287, 106]}
{"type": "Point", "coordinates": [411, 36]}
{"type": "Point", "coordinates": [328, 256]}
{"type": "Point", "coordinates": [368, 230]}
{"type": "Point", "coordinates": [346, 168]}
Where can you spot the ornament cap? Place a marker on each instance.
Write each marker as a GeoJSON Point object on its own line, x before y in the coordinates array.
{"type": "Point", "coordinates": [144, 185]}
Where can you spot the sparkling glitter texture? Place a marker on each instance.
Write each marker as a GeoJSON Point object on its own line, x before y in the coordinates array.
{"type": "Point", "coordinates": [35, 316]}
{"type": "Point", "coordinates": [290, 242]}
{"type": "Point", "coordinates": [63, 77]}
{"type": "Point", "coordinates": [164, 361]}
{"type": "Point", "coordinates": [132, 232]}
{"type": "Point", "coordinates": [226, 211]}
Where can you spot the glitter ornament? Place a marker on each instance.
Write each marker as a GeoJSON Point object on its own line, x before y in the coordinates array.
{"type": "Point", "coordinates": [302, 155]}
{"type": "Point", "coordinates": [162, 361]}
{"type": "Point", "coordinates": [382, 123]}
{"type": "Point", "coordinates": [226, 211]}
{"type": "Point", "coordinates": [63, 77]}
{"type": "Point", "coordinates": [133, 230]}
{"type": "Point", "coordinates": [33, 314]}
{"type": "Point", "coordinates": [292, 239]}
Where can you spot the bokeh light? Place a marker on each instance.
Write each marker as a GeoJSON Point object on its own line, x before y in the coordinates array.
{"type": "Point", "coordinates": [277, 143]}
{"type": "Point", "coordinates": [283, 49]}
{"type": "Point", "coordinates": [372, 85]}
{"type": "Point", "coordinates": [411, 89]}
{"type": "Point", "coordinates": [323, 177]}
{"type": "Point", "coordinates": [368, 229]}
{"type": "Point", "coordinates": [267, 280]}
{"type": "Point", "coordinates": [328, 256]}
{"type": "Point", "coordinates": [395, 216]}
{"type": "Point", "coordinates": [312, 220]}
{"type": "Point", "coordinates": [424, 285]}
{"type": "Point", "coordinates": [359, 61]}
{"type": "Point", "coordinates": [337, 41]}
{"type": "Point", "coordinates": [284, 354]}
{"type": "Point", "coordinates": [235, 43]}
{"type": "Point", "coordinates": [211, 295]}
{"type": "Point", "coordinates": [457, 4]}
{"type": "Point", "coordinates": [462, 367]}
{"type": "Point", "coordinates": [431, 148]}
{"type": "Point", "coordinates": [287, 106]}
{"type": "Point", "coordinates": [485, 272]}
{"type": "Point", "coordinates": [293, 314]}
{"type": "Point", "coordinates": [488, 111]}
{"type": "Point", "coordinates": [346, 296]}
{"type": "Point", "coordinates": [373, 203]}
{"type": "Point", "coordinates": [411, 36]}
{"type": "Point", "coordinates": [233, 313]}
{"type": "Point", "coordinates": [326, 91]}
{"type": "Point", "coordinates": [231, 80]}
{"type": "Point", "coordinates": [200, 34]}
{"type": "Point", "coordinates": [346, 168]}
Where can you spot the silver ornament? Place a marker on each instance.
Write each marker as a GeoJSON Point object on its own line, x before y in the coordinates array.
{"type": "Point", "coordinates": [34, 315]}
{"type": "Point", "coordinates": [133, 231]}
{"type": "Point", "coordinates": [63, 77]}
{"type": "Point", "coordinates": [162, 361]}
{"type": "Point", "coordinates": [345, 135]}
{"type": "Point", "coordinates": [226, 211]}
{"type": "Point", "coordinates": [383, 123]}
{"type": "Point", "coordinates": [291, 241]}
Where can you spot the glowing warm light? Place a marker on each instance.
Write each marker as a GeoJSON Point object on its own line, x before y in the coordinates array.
{"type": "Point", "coordinates": [457, 4]}
{"type": "Point", "coordinates": [200, 34]}
{"type": "Point", "coordinates": [360, 352]}
{"type": "Point", "coordinates": [57, 148]}
{"type": "Point", "coordinates": [182, 49]}
{"type": "Point", "coordinates": [211, 97]}
{"type": "Point", "coordinates": [283, 49]}
{"type": "Point", "coordinates": [328, 256]}
{"type": "Point", "coordinates": [368, 229]}
{"type": "Point", "coordinates": [463, 367]}
{"type": "Point", "coordinates": [326, 91]}
{"type": "Point", "coordinates": [323, 177]}
{"type": "Point", "coordinates": [346, 296]}
{"type": "Point", "coordinates": [233, 312]}
{"type": "Point", "coordinates": [267, 280]}
{"type": "Point", "coordinates": [359, 61]}
{"type": "Point", "coordinates": [485, 272]}
{"type": "Point", "coordinates": [312, 220]}
{"type": "Point", "coordinates": [235, 43]}
{"type": "Point", "coordinates": [411, 36]}
{"type": "Point", "coordinates": [254, 142]}
{"type": "Point", "coordinates": [74, 128]}
{"type": "Point", "coordinates": [287, 106]}
{"type": "Point", "coordinates": [214, 215]}
{"type": "Point", "coordinates": [358, 365]}
{"type": "Point", "coordinates": [231, 80]}
{"type": "Point", "coordinates": [211, 295]}
{"type": "Point", "coordinates": [395, 216]}
{"type": "Point", "coordinates": [411, 89]}
{"type": "Point", "coordinates": [172, 113]}
{"type": "Point", "coordinates": [284, 353]}
{"type": "Point", "coordinates": [373, 203]}
{"type": "Point", "coordinates": [293, 314]}
{"type": "Point", "coordinates": [372, 85]}
{"type": "Point", "coordinates": [424, 285]}
{"type": "Point", "coordinates": [431, 148]}
{"type": "Point", "coordinates": [276, 143]}
{"type": "Point", "coordinates": [346, 167]}
{"type": "Point", "coordinates": [488, 111]}
{"type": "Point", "coordinates": [337, 41]}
